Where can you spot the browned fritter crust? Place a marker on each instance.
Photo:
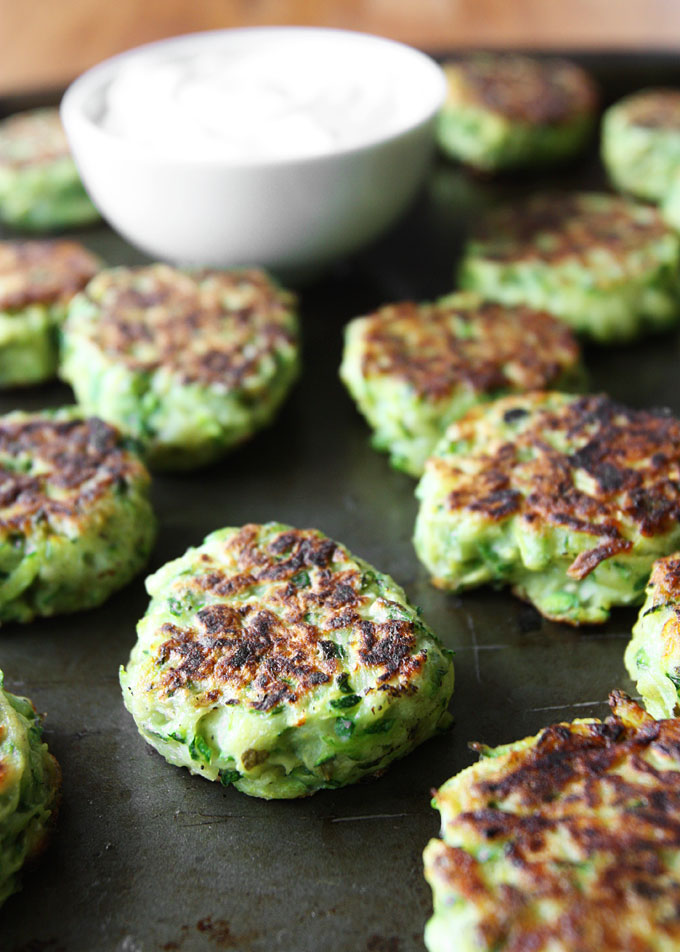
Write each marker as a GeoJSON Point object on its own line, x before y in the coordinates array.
{"type": "Point", "coordinates": [525, 89]}
{"type": "Point", "coordinates": [632, 459]}
{"type": "Point", "coordinates": [160, 317]}
{"type": "Point", "coordinates": [278, 649]}
{"type": "Point", "coordinates": [655, 109]}
{"type": "Point", "coordinates": [32, 138]}
{"type": "Point", "coordinates": [498, 348]}
{"type": "Point", "coordinates": [55, 469]}
{"type": "Point", "coordinates": [664, 581]}
{"type": "Point", "coordinates": [553, 227]}
{"type": "Point", "coordinates": [43, 272]}
{"type": "Point", "coordinates": [588, 816]}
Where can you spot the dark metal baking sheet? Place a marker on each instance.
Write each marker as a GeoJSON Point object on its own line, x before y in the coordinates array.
{"type": "Point", "coordinates": [146, 857]}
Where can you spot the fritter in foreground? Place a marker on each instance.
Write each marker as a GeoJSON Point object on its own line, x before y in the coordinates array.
{"type": "Point", "coordinates": [568, 499]}
{"type": "Point", "coordinates": [188, 363]}
{"type": "Point", "coordinates": [413, 369]}
{"type": "Point", "coordinates": [273, 659]}
{"type": "Point", "coordinates": [564, 842]}
{"type": "Point", "coordinates": [506, 111]}
{"type": "Point", "coordinates": [606, 265]}
{"type": "Point", "coordinates": [29, 789]}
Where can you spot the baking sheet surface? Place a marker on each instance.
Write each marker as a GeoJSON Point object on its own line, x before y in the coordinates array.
{"type": "Point", "coordinates": [146, 857]}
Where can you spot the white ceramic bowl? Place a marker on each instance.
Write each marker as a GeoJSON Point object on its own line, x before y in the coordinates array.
{"type": "Point", "coordinates": [280, 212]}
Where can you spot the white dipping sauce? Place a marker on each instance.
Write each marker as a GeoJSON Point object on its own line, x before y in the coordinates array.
{"type": "Point", "coordinates": [259, 103]}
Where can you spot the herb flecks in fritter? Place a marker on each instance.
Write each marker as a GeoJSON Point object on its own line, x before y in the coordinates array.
{"type": "Point", "coordinates": [653, 653]}
{"type": "Point", "coordinates": [189, 363]}
{"type": "Point", "coordinates": [413, 369]}
{"type": "Point", "coordinates": [37, 281]}
{"type": "Point", "coordinates": [504, 110]}
{"type": "Point", "coordinates": [75, 519]}
{"type": "Point", "coordinates": [40, 189]}
{"type": "Point", "coordinates": [568, 499]}
{"type": "Point", "coordinates": [606, 265]}
{"type": "Point", "coordinates": [29, 788]}
{"type": "Point", "coordinates": [273, 659]}
{"type": "Point", "coordinates": [564, 842]}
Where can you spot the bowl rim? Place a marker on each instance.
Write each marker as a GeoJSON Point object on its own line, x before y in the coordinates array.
{"type": "Point", "coordinates": [79, 92]}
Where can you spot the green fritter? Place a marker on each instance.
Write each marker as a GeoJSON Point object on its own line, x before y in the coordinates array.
{"type": "Point", "coordinates": [413, 369]}
{"type": "Point", "coordinates": [670, 206]}
{"type": "Point", "coordinates": [568, 499]}
{"type": "Point", "coordinates": [641, 142]}
{"type": "Point", "coordinates": [506, 111]}
{"type": "Point", "coordinates": [40, 189]}
{"type": "Point", "coordinates": [30, 780]}
{"type": "Point", "coordinates": [189, 363]}
{"type": "Point", "coordinates": [606, 265]}
{"type": "Point", "coordinates": [75, 519]}
{"type": "Point", "coordinates": [273, 659]}
{"type": "Point", "coordinates": [37, 281]}
{"type": "Point", "coordinates": [653, 653]}
{"type": "Point", "coordinates": [568, 841]}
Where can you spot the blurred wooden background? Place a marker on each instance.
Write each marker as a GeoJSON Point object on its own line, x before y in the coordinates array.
{"type": "Point", "coordinates": [48, 42]}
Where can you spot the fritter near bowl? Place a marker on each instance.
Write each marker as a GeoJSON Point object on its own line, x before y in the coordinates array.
{"type": "Point", "coordinates": [564, 842]}
{"type": "Point", "coordinates": [75, 519]}
{"type": "Point", "coordinates": [37, 281]}
{"type": "Point", "coordinates": [568, 499]}
{"type": "Point", "coordinates": [29, 789]}
{"type": "Point", "coordinates": [273, 659]}
{"type": "Point", "coordinates": [506, 111]}
{"type": "Point", "coordinates": [413, 369]}
{"type": "Point", "coordinates": [606, 265]}
{"type": "Point", "coordinates": [189, 363]}
{"type": "Point", "coordinates": [653, 654]}
{"type": "Point", "coordinates": [40, 189]}
{"type": "Point", "coordinates": [641, 142]}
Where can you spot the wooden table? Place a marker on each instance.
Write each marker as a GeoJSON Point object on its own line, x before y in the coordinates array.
{"type": "Point", "coordinates": [45, 44]}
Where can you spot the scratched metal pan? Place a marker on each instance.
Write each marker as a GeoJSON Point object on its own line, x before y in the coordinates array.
{"type": "Point", "coordinates": [146, 857]}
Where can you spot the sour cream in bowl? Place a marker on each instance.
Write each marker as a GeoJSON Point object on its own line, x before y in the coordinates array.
{"type": "Point", "coordinates": [280, 146]}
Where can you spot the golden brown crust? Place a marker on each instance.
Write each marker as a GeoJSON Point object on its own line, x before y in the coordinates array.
{"type": "Point", "coordinates": [209, 327]}
{"type": "Point", "coordinates": [553, 227]}
{"type": "Point", "coordinates": [629, 458]}
{"type": "Point", "coordinates": [57, 469]}
{"type": "Point", "coordinates": [654, 109]}
{"type": "Point", "coordinates": [32, 138]}
{"type": "Point", "coordinates": [587, 817]}
{"type": "Point", "coordinates": [42, 272]}
{"type": "Point", "coordinates": [279, 646]}
{"type": "Point", "coordinates": [665, 580]}
{"type": "Point", "coordinates": [525, 89]}
{"type": "Point", "coordinates": [497, 347]}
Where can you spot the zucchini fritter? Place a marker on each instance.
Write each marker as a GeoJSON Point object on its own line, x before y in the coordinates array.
{"type": "Point", "coordinates": [413, 369]}
{"type": "Point", "coordinates": [40, 189]}
{"type": "Point", "coordinates": [75, 519]}
{"type": "Point", "coordinates": [564, 842]}
{"type": "Point", "coordinates": [606, 265]}
{"type": "Point", "coordinates": [641, 142]}
{"type": "Point", "coordinates": [568, 499]}
{"type": "Point", "coordinates": [29, 788]}
{"type": "Point", "coordinates": [189, 363]}
{"type": "Point", "coordinates": [273, 659]}
{"type": "Point", "coordinates": [653, 654]}
{"type": "Point", "coordinates": [504, 110]}
{"type": "Point", "coordinates": [37, 281]}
